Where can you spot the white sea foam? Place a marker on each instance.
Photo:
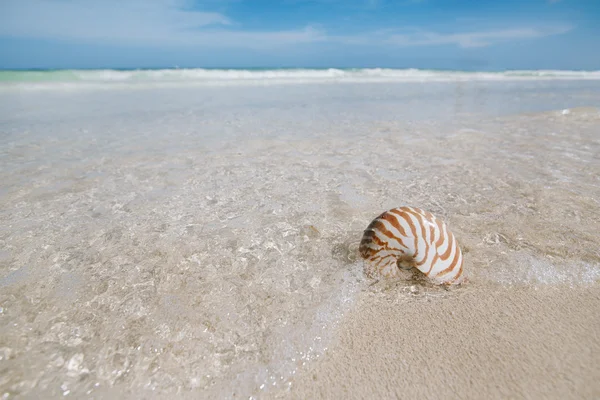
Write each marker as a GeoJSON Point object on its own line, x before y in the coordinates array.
{"type": "Point", "coordinates": [330, 74]}
{"type": "Point", "coordinates": [526, 269]}
{"type": "Point", "coordinates": [72, 79]}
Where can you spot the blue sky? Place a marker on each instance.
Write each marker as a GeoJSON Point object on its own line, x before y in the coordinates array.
{"type": "Point", "coordinates": [444, 34]}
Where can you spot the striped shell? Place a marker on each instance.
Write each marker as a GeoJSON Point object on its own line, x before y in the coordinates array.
{"type": "Point", "coordinates": [408, 237]}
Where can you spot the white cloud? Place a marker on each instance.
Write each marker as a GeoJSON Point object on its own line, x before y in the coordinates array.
{"type": "Point", "coordinates": [139, 22]}
{"type": "Point", "coordinates": [174, 22]}
{"type": "Point", "coordinates": [106, 20]}
{"type": "Point", "coordinates": [473, 39]}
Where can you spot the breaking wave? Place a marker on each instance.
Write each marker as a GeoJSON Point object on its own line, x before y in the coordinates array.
{"type": "Point", "coordinates": [36, 79]}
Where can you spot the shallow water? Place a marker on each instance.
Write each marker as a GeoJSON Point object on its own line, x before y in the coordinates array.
{"type": "Point", "coordinates": [203, 240]}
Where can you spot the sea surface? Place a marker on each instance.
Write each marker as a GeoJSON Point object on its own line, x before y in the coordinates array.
{"type": "Point", "coordinates": [127, 78]}
{"type": "Point", "coordinates": [193, 231]}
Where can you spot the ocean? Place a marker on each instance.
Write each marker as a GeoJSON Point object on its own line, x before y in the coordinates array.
{"type": "Point", "coordinates": [194, 231]}
{"type": "Point", "coordinates": [49, 79]}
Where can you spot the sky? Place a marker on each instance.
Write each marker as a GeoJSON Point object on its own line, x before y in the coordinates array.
{"type": "Point", "coordinates": [433, 34]}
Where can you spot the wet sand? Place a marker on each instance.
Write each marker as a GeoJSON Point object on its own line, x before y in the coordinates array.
{"type": "Point", "coordinates": [483, 341]}
{"type": "Point", "coordinates": [523, 326]}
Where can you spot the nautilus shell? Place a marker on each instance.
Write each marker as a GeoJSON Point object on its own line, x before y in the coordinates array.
{"type": "Point", "coordinates": [406, 238]}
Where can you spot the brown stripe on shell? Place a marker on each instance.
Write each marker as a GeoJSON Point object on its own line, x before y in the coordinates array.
{"type": "Point", "coordinates": [452, 264]}
{"type": "Point", "coordinates": [442, 238]}
{"type": "Point", "coordinates": [413, 230]}
{"type": "Point", "coordinates": [421, 221]}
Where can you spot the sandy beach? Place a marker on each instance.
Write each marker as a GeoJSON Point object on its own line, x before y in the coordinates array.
{"type": "Point", "coordinates": [201, 242]}
{"type": "Point", "coordinates": [478, 342]}
{"type": "Point", "coordinates": [532, 333]}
